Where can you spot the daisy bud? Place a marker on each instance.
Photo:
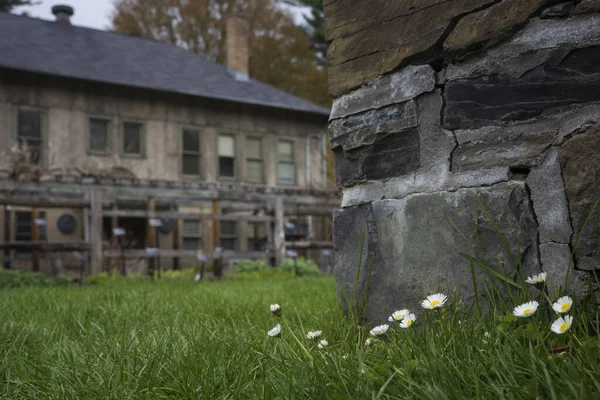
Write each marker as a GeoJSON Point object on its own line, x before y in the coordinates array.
{"type": "Point", "coordinates": [275, 309]}
{"type": "Point", "coordinates": [322, 344]}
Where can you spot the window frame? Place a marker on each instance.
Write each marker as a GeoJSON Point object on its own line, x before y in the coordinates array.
{"type": "Point", "coordinates": [43, 127]}
{"type": "Point", "coordinates": [109, 136]}
{"type": "Point", "coordinates": [199, 237]}
{"type": "Point", "coordinates": [221, 177]}
{"type": "Point", "coordinates": [294, 161]}
{"type": "Point", "coordinates": [261, 160]}
{"type": "Point", "coordinates": [122, 152]}
{"type": "Point", "coordinates": [199, 154]}
{"type": "Point", "coordinates": [26, 254]}
{"type": "Point", "coordinates": [235, 236]}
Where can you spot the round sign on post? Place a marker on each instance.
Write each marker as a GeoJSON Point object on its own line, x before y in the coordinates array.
{"type": "Point", "coordinates": [166, 226]}
{"type": "Point", "coordinates": [66, 224]}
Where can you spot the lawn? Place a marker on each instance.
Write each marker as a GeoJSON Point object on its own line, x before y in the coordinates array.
{"type": "Point", "coordinates": [185, 339]}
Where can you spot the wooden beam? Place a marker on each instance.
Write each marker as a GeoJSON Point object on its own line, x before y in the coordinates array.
{"type": "Point", "coordinates": [176, 238]}
{"type": "Point", "coordinates": [310, 245]}
{"type": "Point", "coordinates": [279, 235]}
{"type": "Point", "coordinates": [45, 246]}
{"type": "Point", "coordinates": [44, 200]}
{"type": "Point", "coordinates": [7, 236]}
{"type": "Point", "coordinates": [96, 232]}
{"type": "Point", "coordinates": [185, 215]}
{"type": "Point", "coordinates": [228, 254]}
{"type": "Point", "coordinates": [35, 238]}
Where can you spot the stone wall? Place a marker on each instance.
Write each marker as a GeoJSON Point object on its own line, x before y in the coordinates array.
{"type": "Point", "coordinates": [440, 103]}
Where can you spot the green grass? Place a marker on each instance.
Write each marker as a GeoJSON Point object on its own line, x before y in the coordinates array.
{"type": "Point", "coordinates": [182, 339]}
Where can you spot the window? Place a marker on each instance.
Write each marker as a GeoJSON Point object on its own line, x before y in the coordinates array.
{"type": "Point", "coordinates": [192, 234]}
{"type": "Point", "coordinates": [98, 141]}
{"type": "Point", "coordinates": [257, 238]}
{"type": "Point", "coordinates": [133, 138]}
{"type": "Point", "coordinates": [190, 148]}
{"type": "Point", "coordinates": [228, 235]}
{"type": "Point", "coordinates": [226, 156]}
{"type": "Point", "coordinates": [23, 228]}
{"type": "Point", "coordinates": [286, 167]}
{"type": "Point", "coordinates": [254, 162]}
{"type": "Point", "coordinates": [29, 132]}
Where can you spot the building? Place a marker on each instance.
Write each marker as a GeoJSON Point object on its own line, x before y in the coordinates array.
{"type": "Point", "coordinates": [101, 130]}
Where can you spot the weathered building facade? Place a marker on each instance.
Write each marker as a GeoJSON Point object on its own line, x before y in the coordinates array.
{"type": "Point", "coordinates": [138, 120]}
{"type": "Point", "coordinates": [445, 109]}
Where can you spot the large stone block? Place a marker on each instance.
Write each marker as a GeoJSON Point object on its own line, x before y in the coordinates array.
{"type": "Point", "coordinates": [579, 159]}
{"type": "Point", "coordinates": [493, 99]}
{"type": "Point", "coordinates": [398, 87]}
{"type": "Point", "coordinates": [415, 247]}
{"type": "Point", "coordinates": [362, 129]}
{"type": "Point", "coordinates": [492, 23]}
{"type": "Point", "coordinates": [391, 155]}
{"type": "Point", "coordinates": [369, 40]}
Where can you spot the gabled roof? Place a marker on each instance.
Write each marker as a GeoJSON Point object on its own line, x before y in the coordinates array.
{"type": "Point", "coordinates": [82, 53]}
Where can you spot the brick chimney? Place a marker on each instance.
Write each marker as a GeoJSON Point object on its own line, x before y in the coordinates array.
{"type": "Point", "coordinates": [63, 13]}
{"type": "Point", "coordinates": [237, 46]}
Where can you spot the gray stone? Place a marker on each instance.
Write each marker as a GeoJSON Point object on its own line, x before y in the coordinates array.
{"type": "Point", "coordinates": [555, 262]}
{"type": "Point", "coordinates": [415, 245]}
{"type": "Point", "coordinates": [538, 42]}
{"type": "Point", "coordinates": [477, 102]}
{"type": "Point", "coordinates": [394, 88]}
{"type": "Point", "coordinates": [436, 144]}
{"type": "Point", "coordinates": [353, 226]}
{"type": "Point", "coordinates": [518, 152]}
{"type": "Point", "coordinates": [550, 201]}
{"type": "Point", "coordinates": [361, 129]}
{"type": "Point", "coordinates": [393, 154]}
{"type": "Point", "coordinates": [559, 10]}
{"type": "Point", "coordinates": [587, 6]}
{"type": "Point", "coordinates": [579, 159]}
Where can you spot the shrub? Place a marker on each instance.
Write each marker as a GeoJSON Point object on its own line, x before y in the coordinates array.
{"type": "Point", "coordinates": [179, 274]}
{"type": "Point", "coordinates": [17, 278]}
{"type": "Point", "coordinates": [249, 266]}
{"type": "Point", "coordinates": [304, 267]}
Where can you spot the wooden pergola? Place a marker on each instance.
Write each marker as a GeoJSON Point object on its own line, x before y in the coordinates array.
{"type": "Point", "coordinates": [101, 197]}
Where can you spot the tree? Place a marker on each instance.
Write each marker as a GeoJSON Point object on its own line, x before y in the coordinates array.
{"type": "Point", "coordinates": [315, 26]}
{"type": "Point", "coordinates": [280, 51]}
{"type": "Point", "coordinates": [8, 5]}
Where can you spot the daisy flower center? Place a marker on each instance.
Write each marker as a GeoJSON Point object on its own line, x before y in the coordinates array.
{"type": "Point", "coordinates": [527, 310]}
{"type": "Point", "coordinates": [564, 326]}
{"type": "Point", "coordinates": [434, 303]}
{"type": "Point", "coordinates": [565, 306]}
{"type": "Point", "coordinates": [409, 322]}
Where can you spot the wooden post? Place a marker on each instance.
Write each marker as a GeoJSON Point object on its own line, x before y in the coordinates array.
{"type": "Point", "coordinates": [150, 234]}
{"type": "Point", "coordinates": [96, 232]}
{"type": "Point", "coordinates": [216, 237]}
{"type": "Point", "coordinates": [7, 236]}
{"type": "Point", "coordinates": [279, 236]}
{"type": "Point", "coordinates": [35, 237]}
{"type": "Point", "coordinates": [114, 223]}
{"type": "Point", "coordinates": [176, 238]}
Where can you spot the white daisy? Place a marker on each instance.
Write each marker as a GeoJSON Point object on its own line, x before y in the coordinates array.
{"type": "Point", "coordinates": [434, 301]}
{"type": "Point", "coordinates": [526, 309]}
{"type": "Point", "coordinates": [275, 332]}
{"type": "Point", "coordinates": [314, 335]}
{"type": "Point", "coordinates": [322, 344]}
{"type": "Point", "coordinates": [562, 324]}
{"type": "Point", "coordinates": [368, 342]}
{"type": "Point", "coordinates": [537, 279]}
{"type": "Point", "coordinates": [398, 315]}
{"type": "Point", "coordinates": [563, 304]}
{"type": "Point", "coordinates": [379, 330]}
{"type": "Point", "coordinates": [275, 309]}
{"type": "Point", "coordinates": [408, 321]}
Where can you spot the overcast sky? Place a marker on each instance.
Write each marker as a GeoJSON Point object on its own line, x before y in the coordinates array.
{"type": "Point", "coordinates": [90, 13]}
